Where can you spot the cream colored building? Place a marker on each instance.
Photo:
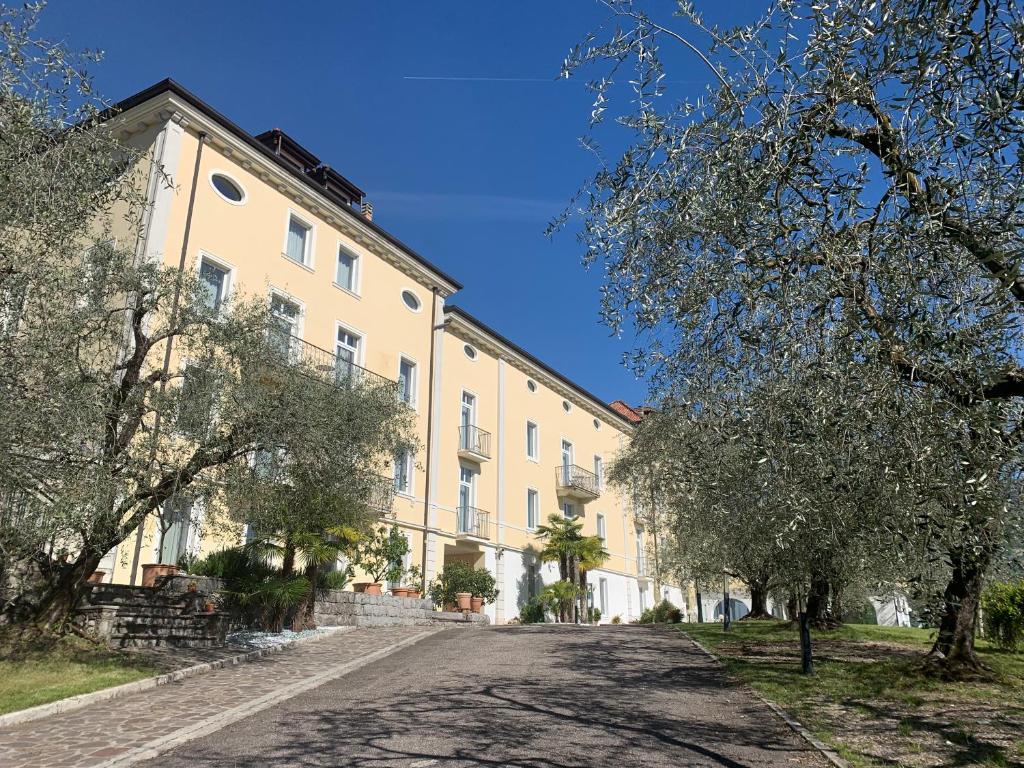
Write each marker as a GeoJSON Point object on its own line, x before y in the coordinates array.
{"type": "Point", "coordinates": [506, 440]}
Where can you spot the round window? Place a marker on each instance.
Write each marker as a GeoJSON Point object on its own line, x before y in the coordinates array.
{"type": "Point", "coordinates": [566, 406]}
{"type": "Point", "coordinates": [411, 300]}
{"type": "Point", "coordinates": [227, 188]}
{"type": "Point", "coordinates": [531, 385]}
{"type": "Point", "coordinates": [597, 424]}
{"type": "Point", "coordinates": [470, 352]}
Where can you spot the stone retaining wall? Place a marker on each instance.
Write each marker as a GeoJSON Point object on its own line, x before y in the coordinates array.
{"type": "Point", "coordinates": [357, 609]}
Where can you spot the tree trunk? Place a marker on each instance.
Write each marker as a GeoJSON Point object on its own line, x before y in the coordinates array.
{"type": "Point", "coordinates": [758, 601]}
{"type": "Point", "coordinates": [700, 604]}
{"type": "Point", "coordinates": [961, 599]}
{"type": "Point", "coordinates": [792, 607]}
{"type": "Point", "coordinates": [60, 598]}
{"type": "Point", "coordinates": [818, 612]}
{"type": "Point", "coordinates": [305, 613]}
{"type": "Point", "coordinates": [277, 615]}
{"type": "Point", "coordinates": [584, 605]}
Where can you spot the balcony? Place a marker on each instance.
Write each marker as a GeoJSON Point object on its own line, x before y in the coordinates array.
{"type": "Point", "coordinates": [576, 483]}
{"type": "Point", "coordinates": [312, 360]}
{"type": "Point", "coordinates": [382, 495]}
{"type": "Point", "coordinates": [645, 568]}
{"type": "Point", "coordinates": [474, 443]}
{"type": "Point", "coordinates": [473, 523]}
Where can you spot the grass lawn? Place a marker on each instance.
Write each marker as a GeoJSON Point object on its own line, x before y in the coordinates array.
{"type": "Point", "coordinates": [870, 698]}
{"type": "Point", "coordinates": [45, 671]}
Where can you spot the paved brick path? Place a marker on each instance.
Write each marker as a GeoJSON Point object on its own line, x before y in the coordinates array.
{"type": "Point", "coordinates": [123, 729]}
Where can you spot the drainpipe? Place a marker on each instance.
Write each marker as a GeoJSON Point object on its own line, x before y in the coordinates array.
{"type": "Point", "coordinates": [434, 328]}
{"type": "Point", "coordinates": [170, 340]}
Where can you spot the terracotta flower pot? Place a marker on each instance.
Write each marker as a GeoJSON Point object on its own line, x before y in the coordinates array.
{"type": "Point", "coordinates": [414, 594]}
{"type": "Point", "coordinates": [373, 589]}
{"type": "Point", "coordinates": [465, 600]}
{"type": "Point", "coordinates": [478, 604]}
{"type": "Point", "coordinates": [97, 577]}
{"type": "Point", "coordinates": [153, 572]}
{"type": "Point", "coordinates": [209, 606]}
{"type": "Point", "coordinates": [400, 592]}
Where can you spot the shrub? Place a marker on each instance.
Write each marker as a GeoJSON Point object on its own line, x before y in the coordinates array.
{"type": "Point", "coordinates": [455, 577]}
{"type": "Point", "coordinates": [380, 555]}
{"type": "Point", "coordinates": [647, 617]}
{"type": "Point", "coordinates": [532, 612]}
{"type": "Point", "coordinates": [1003, 606]}
{"type": "Point", "coordinates": [559, 596]}
{"type": "Point", "coordinates": [666, 613]}
{"type": "Point", "coordinates": [482, 584]}
{"type": "Point", "coordinates": [616, 619]}
{"type": "Point", "coordinates": [333, 580]}
{"type": "Point", "coordinates": [595, 615]}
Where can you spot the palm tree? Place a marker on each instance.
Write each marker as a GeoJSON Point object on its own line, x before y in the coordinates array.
{"type": "Point", "coordinates": [575, 554]}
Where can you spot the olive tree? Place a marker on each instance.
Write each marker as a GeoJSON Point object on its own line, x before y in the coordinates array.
{"type": "Point", "coordinates": [853, 168]}
{"type": "Point", "coordinates": [123, 386]}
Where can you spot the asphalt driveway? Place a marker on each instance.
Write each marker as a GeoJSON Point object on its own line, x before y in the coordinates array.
{"type": "Point", "coordinates": [551, 696]}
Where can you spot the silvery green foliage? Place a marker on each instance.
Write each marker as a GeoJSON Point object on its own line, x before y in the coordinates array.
{"type": "Point", "coordinates": [848, 191]}
{"type": "Point", "coordinates": [98, 428]}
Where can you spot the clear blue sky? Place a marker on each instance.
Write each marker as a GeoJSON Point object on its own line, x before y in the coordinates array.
{"type": "Point", "coordinates": [467, 172]}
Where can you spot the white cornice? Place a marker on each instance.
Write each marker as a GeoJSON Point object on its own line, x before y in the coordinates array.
{"type": "Point", "coordinates": [168, 106]}
{"type": "Point", "coordinates": [484, 341]}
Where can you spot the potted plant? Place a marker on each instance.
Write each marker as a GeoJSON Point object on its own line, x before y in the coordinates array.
{"type": "Point", "coordinates": [464, 600]}
{"type": "Point", "coordinates": [456, 577]}
{"type": "Point", "coordinates": [96, 577]}
{"type": "Point", "coordinates": [483, 587]}
{"type": "Point", "coordinates": [400, 591]}
{"type": "Point", "coordinates": [415, 582]}
{"type": "Point", "coordinates": [380, 557]}
{"type": "Point", "coordinates": [154, 572]}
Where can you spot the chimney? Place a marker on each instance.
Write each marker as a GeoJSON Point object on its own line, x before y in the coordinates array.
{"type": "Point", "coordinates": [368, 210]}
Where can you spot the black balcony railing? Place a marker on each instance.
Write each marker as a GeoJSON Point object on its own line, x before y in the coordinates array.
{"type": "Point", "coordinates": [475, 440]}
{"type": "Point", "coordinates": [474, 522]}
{"type": "Point", "coordinates": [313, 360]}
{"type": "Point", "coordinates": [577, 478]}
{"type": "Point", "coordinates": [382, 495]}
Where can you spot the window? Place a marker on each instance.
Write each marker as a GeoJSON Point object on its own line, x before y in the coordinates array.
{"type": "Point", "coordinates": [297, 241]}
{"type": "Point", "coordinates": [567, 462]}
{"type": "Point", "coordinates": [568, 509]}
{"type": "Point", "coordinates": [601, 529]}
{"type": "Point", "coordinates": [467, 489]}
{"type": "Point", "coordinates": [345, 276]}
{"type": "Point", "coordinates": [597, 424]}
{"type": "Point", "coordinates": [566, 406]}
{"type": "Point", "coordinates": [284, 325]}
{"type": "Point", "coordinates": [532, 580]}
{"type": "Point", "coordinates": [213, 280]}
{"type": "Point", "coordinates": [346, 352]}
{"type": "Point", "coordinates": [599, 471]}
{"type": "Point", "coordinates": [407, 382]}
{"type": "Point", "coordinates": [411, 300]}
{"type": "Point", "coordinates": [175, 520]}
{"type": "Point", "coordinates": [531, 385]}
{"type": "Point", "coordinates": [467, 420]}
{"type": "Point", "coordinates": [403, 472]}
{"type": "Point", "coordinates": [532, 508]}
{"type": "Point", "coordinates": [470, 352]}
{"type": "Point", "coordinates": [227, 188]}
{"type": "Point", "coordinates": [603, 596]}
{"type": "Point", "coordinates": [532, 446]}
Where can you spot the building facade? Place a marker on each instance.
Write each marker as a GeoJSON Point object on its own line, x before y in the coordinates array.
{"type": "Point", "coordinates": [506, 440]}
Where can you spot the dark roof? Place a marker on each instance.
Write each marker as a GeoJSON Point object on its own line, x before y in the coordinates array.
{"type": "Point", "coordinates": [178, 90]}
{"type": "Point", "coordinates": [452, 309]}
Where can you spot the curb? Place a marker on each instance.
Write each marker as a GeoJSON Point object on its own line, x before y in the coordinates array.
{"type": "Point", "coordinates": [221, 720]}
{"type": "Point", "coordinates": [827, 752]}
{"type": "Point", "coordinates": [105, 694]}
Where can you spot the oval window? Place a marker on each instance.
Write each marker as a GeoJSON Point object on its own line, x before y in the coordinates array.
{"type": "Point", "coordinates": [597, 424]}
{"type": "Point", "coordinates": [566, 406]}
{"type": "Point", "coordinates": [531, 385]}
{"type": "Point", "coordinates": [411, 300]}
{"type": "Point", "coordinates": [227, 188]}
{"type": "Point", "coordinates": [470, 352]}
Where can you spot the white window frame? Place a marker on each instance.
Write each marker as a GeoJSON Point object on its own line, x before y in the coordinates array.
{"type": "Point", "coordinates": [602, 589]}
{"type": "Point", "coordinates": [410, 468]}
{"type": "Point", "coordinates": [360, 351]}
{"type": "Point", "coordinates": [233, 180]}
{"type": "Point", "coordinates": [357, 270]}
{"type": "Point", "coordinates": [308, 260]}
{"type": "Point", "coordinates": [599, 470]}
{"type": "Point", "coordinates": [535, 457]}
{"type": "Point", "coordinates": [602, 528]}
{"type": "Point", "coordinates": [413, 400]}
{"type": "Point", "coordinates": [571, 506]}
{"type": "Point", "coordinates": [300, 318]}
{"type": "Point", "coordinates": [532, 493]}
{"type": "Point", "coordinates": [401, 297]}
{"type": "Point", "coordinates": [229, 281]}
